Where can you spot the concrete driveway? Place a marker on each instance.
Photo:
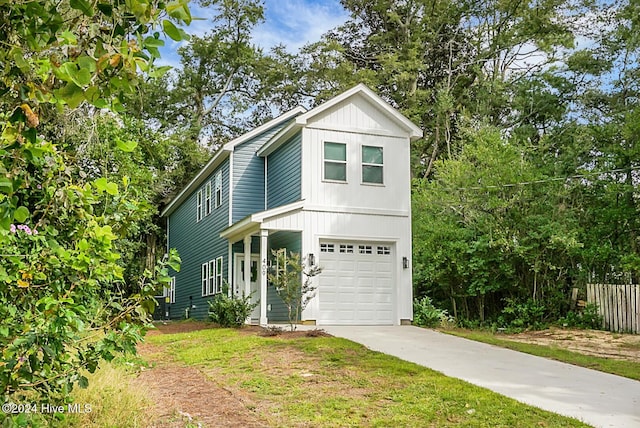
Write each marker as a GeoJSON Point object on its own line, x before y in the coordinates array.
{"type": "Point", "coordinates": [599, 399]}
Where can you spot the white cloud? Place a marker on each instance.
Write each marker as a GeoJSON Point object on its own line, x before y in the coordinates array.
{"type": "Point", "coordinates": [295, 23]}
{"type": "Point", "coordinates": [292, 23]}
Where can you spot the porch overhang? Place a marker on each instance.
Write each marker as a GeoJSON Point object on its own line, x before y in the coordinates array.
{"type": "Point", "coordinates": [251, 224]}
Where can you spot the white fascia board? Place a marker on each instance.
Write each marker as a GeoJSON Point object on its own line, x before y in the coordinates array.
{"type": "Point", "coordinates": [262, 128]}
{"type": "Point", "coordinates": [251, 223]}
{"type": "Point", "coordinates": [413, 131]}
{"type": "Point", "coordinates": [217, 159]}
{"type": "Point", "coordinates": [284, 209]}
{"type": "Point", "coordinates": [278, 139]}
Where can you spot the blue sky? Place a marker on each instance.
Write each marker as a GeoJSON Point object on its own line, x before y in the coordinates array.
{"type": "Point", "coordinates": [292, 23]}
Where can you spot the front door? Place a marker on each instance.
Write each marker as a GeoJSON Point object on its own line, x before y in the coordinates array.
{"type": "Point", "coordinates": [240, 284]}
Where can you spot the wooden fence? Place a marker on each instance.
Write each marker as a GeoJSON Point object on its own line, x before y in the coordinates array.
{"type": "Point", "coordinates": [619, 305]}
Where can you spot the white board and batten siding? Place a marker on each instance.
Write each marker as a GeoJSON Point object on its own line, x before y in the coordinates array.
{"type": "Point", "coordinates": [357, 123]}
{"type": "Point", "coordinates": [384, 283]}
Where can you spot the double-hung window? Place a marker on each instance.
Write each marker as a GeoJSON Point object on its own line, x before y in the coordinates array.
{"type": "Point", "coordinates": [207, 199]}
{"type": "Point", "coordinates": [218, 189]}
{"type": "Point", "coordinates": [204, 277]}
{"type": "Point", "coordinates": [372, 165]}
{"type": "Point", "coordinates": [218, 275]}
{"type": "Point", "coordinates": [211, 278]}
{"type": "Point", "coordinates": [335, 161]}
{"type": "Point", "coordinates": [199, 206]}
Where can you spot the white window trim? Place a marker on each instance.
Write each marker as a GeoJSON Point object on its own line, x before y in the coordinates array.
{"type": "Point", "coordinates": [207, 198]}
{"type": "Point", "coordinates": [204, 276]}
{"type": "Point", "coordinates": [218, 279]}
{"type": "Point", "coordinates": [345, 163]}
{"type": "Point", "coordinates": [218, 190]}
{"type": "Point", "coordinates": [281, 269]}
{"type": "Point", "coordinates": [199, 206]}
{"type": "Point", "coordinates": [363, 164]}
{"type": "Point", "coordinates": [211, 278]}
{"type": "Point", "coordinates": [170, 291]}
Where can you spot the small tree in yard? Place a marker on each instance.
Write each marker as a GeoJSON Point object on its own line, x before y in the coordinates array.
{"type": "Point", "coordinates": [286, 276]}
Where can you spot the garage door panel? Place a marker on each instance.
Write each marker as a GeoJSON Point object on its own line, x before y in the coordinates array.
{"type": "Point", "coordinates": [356, 287]}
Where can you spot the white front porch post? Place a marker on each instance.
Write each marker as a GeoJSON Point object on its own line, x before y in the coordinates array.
{"type": "Point", "coordinates": [263, 276]}
{"type": "Point", "coordinates": [246, 269]}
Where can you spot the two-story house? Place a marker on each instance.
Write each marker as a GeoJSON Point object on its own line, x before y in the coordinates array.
{"type": "Point", "coordinates": [331, 183]}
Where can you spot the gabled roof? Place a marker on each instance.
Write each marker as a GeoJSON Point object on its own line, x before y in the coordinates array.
{"type": "Point", "coordinates": [222, 154]}
{"type": "Point", "coordinates": [413, 131]}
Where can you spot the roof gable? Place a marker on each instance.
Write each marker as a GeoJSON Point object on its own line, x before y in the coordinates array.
{"type": "Point", "coordinates": [361, 109]}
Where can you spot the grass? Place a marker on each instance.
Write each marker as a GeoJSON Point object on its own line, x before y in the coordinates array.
{"type": "Point", "coordinates": [329, 381]}
{"type": "Point", "coordinates": [112, 399]}
{"type": "Point", "coordinates": [628, 369]}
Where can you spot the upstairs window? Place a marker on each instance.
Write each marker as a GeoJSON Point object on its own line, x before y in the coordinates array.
{"type": "Point", "coordinates": [207, 199]}
{"type": "Point", "coordinates": [218, 189]}
{"type": "Point", "coordinates": [199, 206]}
{"type": "Point", "coordinates": [372, 169]}
{"type": "Point", "coordinates": [335, 161]}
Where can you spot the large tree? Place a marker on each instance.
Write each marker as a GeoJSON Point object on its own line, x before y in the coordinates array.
{"type": "Point", "coordinates": [212, 95]}
{"type": "Point", "coordinates": [62, 306]}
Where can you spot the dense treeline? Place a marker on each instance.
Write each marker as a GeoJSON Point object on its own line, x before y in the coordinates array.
{"type": "Point", "coordinates": [525, 184]}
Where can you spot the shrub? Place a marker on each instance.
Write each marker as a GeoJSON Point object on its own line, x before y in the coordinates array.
{"type": "Point", "coordinates": [588, 318]}
{"type": "Point", "coordinates": [528, 314]}
{"type": "Point", "coordinates": [427, 315]}
{"type": "Point", "coordinates": [229, 311]}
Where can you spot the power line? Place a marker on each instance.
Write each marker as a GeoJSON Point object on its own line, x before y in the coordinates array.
{"type": "Point", "coordinates": [548, 180]}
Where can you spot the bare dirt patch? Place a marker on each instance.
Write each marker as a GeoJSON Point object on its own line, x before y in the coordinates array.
{"type": "Point", "coordinates": [184, 396]}
{"type": "Point", "coordinates": [188, 396]}
{"type": "Point", "coordinates": [591, 342]}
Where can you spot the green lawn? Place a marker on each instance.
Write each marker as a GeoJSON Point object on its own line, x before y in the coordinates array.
{"type": "Point", "coordinates": [623, 368]}
{"type": "Point", "coordinates": [329, 381]}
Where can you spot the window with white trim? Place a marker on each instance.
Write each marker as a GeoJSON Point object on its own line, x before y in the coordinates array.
{"type": "Point", "coordinates": [218, 189]}
{"type": "Point", "coordinates": [281, 268]}
{"type": "Point", "coordinates": [365, 249]}
{"type": "Point", "coordinates": [219, 275]}
{"type": "Point", "coordinates": [169, 291]}
{"type": "Point", "coordinates": [211, 289]}
{"type": "Point", "coordinates": [327, 248]}
{"type": "Point", "coordinates": [204, 277]}
{"type": "Point", "coordinates": [207, 199]}
{"type": "Point", "coordinates": [372, 165]}
{"type": "Point", "coordinates": [335, 161]}
{"type": "Point", "coordinates": [199, 206]}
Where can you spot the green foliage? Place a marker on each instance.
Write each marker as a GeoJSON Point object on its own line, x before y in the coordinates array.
{"type": "Point", "coordinates": [63, 305]}
{"type": "Point", "coordinates": [286, 276]}
{"type": "Point", "coordinates": [215, 93]}
{"type": "Point", "coordinates": [230, 311]}
{"type": "Point", "coordinates": [521, 315]}
{"type": "Point", "coordinates": [427, 315]}
{"type": "Point", "coordinates": [588, 318]}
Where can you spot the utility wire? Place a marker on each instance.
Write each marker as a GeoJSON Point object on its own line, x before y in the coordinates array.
{"type": "Point", "coordinates": [547, 180]}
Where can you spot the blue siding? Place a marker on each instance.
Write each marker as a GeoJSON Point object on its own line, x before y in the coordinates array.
{"type": "Point", "coordinates": [284, 173]}
{"type": "Point", "coordinates": [292, 241]}
{"type": "Point", "coordinates": [197, 243]}
{"type": "Point", "coordinates": [248, 176]}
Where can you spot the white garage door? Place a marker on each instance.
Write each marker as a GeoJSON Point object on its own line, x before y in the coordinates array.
{"type": "Point", "coordinates": [356, 283]}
